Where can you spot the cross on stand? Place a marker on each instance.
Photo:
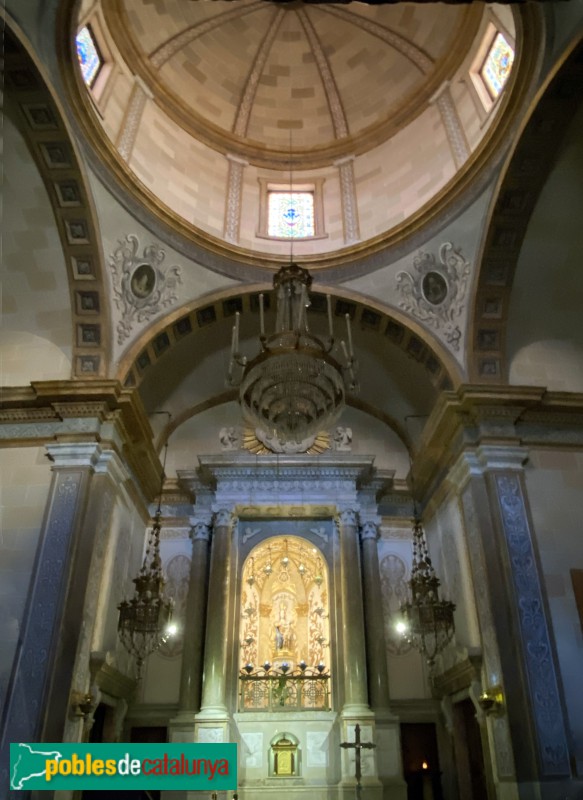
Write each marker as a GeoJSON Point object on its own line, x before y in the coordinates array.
{"type": "Point", "coordinates": [357, 745]}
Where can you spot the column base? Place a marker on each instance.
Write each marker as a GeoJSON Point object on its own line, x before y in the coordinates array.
{"type": "Point", "coordinates": [181, 727]}
{"type": "Point", "coordinates": [212, 725]}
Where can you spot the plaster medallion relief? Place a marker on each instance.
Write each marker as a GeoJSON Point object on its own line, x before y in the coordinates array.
{"type": "Point", "coordinates": [434, 292]}
{"type": "Point", "coordinates": [142, 286]}
{"type": "Point", "coordinates": [177, 572]}
{"type": "Point", "coordinates": [394, 593]}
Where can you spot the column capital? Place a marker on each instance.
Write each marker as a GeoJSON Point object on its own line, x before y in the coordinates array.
{"type": "Point", "coordinates": [201, 528]}
{"type": "Point", "coordinates": [437, 94]}
{"type": "Point", "coordinates": [72, 454]}
{"type": "Point", "coordinates": [348, 516]}
{"type": "Point", "coordinates": [224, 518]}
{"type": "Point", "coordinates": [485, 458]}
{"type": "Point", "coordinates": [235, 159]}
{"type": "Point", "coordinates": [370, 530]}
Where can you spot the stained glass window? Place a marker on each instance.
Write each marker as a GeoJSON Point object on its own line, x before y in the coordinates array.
{"type": "Point", "coordinates": [291, 214]}
{"type": "Point", "coordinates": [89, 56]}
{"type": "Point", "coordinates": [497, 65]}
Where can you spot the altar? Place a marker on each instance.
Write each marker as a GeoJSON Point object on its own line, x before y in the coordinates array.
{"type": "Point", "coordinates": [292, 603]}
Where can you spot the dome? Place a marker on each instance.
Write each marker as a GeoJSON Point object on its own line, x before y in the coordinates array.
{"type": "Point", "coordinates": [229, 100]}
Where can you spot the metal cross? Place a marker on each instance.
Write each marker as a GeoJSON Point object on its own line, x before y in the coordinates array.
{"type": "Point", "coordinates": [357, 745]}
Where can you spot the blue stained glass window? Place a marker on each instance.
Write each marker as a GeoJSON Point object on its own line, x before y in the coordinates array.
{"type": "Point", "coordinates": [497, 65]}
{"type": "Point", "coordinates": [89, 56]}
{"type": "Point", "coordinates": [291, 215]}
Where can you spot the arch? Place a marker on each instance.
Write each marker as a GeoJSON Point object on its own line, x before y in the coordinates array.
{"type": "Point", "coordinates": [442, 370]}
{"type": "Point", "coordinates": [43, 125]}
{"type": "Point", "coordinates": [519, 189]}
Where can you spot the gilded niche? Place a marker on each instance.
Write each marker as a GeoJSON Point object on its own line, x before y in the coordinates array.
{"type": "Point", "coordinates": [284, 605]}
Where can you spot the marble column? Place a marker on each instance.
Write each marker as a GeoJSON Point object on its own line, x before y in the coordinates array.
{"type": "Point", "coordinates": [214, 688]}
{"type": "Point", "coordinates": [182, 726]}
{"type": "Point", "coordinates": [354, 647]}
{"type": "Point", "coordinates": [376, 648]}
{"type": "Point", "coordinates": [529, 738]}
{"type": "Point", "coordinates": [37, 697]}
{"type": "Point", "coordinates": [194, 628]}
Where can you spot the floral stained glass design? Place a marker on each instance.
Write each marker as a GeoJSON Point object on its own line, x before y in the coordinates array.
{"type": "Point", "coordinates": [497, 65]}
{"type": "Point", "coordinates": [88, 54]}
{"type": "Point", "coordinates": [291, 215]}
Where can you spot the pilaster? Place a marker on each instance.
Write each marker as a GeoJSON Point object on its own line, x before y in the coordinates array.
{"type": "Point", "coordinates": [528, 736]}
{"type": "Point", "coordinates": [38, 694]}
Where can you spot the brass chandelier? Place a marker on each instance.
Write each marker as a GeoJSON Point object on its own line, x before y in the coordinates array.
{"type": "Point", "coordinates": [144, 620]}
{"type": "Point", "coordinates": [294, 387]}
{"type": "Point", "coordinates": [427, 621]}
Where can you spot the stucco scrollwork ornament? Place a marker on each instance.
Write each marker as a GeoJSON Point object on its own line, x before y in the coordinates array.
{"type": "Point", "coordinates": [434, 292]}
{"type": "Point", "coordinates": [142, 286]}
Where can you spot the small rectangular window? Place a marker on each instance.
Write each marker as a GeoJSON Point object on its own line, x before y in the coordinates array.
{"type": "Point", "coordinates": [497, 65]}
{"type": "Point", "coordinates": [290, 214]}
{"type": "Point", "coordinates": [90, 59]}
{"type": "Point", "coordinates": [293, 211]}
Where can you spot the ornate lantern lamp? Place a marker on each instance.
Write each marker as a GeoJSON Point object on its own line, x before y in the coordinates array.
{"type": "Point", "coordinates": [143, 623]}
{"type": "Point", "coordinates": [294, 387]}
{"type": "Point", "coordinates": [427, 621]}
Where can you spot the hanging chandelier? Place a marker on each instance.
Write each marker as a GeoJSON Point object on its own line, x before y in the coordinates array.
{"type": "Point", "coordinates": [294, 388]}
{"type": "Point", "coordinates": [427, 622]}
{"type": "Point", "coordinates": [144, 620]}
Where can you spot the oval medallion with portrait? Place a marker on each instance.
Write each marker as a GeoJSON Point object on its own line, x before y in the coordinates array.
{"type": "Point", "coordinates": [434, 287]}
{"type": "Point", "coordinates": [143, 281]}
